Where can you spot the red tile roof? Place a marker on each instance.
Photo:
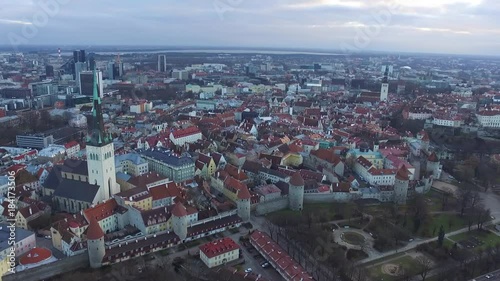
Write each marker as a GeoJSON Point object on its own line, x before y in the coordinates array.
{"type": "Point", "coordinates": [297, 179]}
{"type": "Point", "coordinates": [70, 144]}
{"type": "Point", "coordinates": [185, 132]}
{"type": "Point", "coordinates": [243, 193]}
{"type": "Point", "coordinates": [219, 247]}
{"type": "Point", "coordinates": [433, 157]}
{"type": "Point", "coordinates": [101, 211]}
{"type": "Point", "coordinates": [35, 255]}
{"type": "Point", "coordinates": [179, 210]}
{"type": "Point", "coordinates": [94, 231]}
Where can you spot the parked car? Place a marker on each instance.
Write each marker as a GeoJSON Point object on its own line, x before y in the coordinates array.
{"type": "Point", "coordinates": [488, 276]}
{"type": "Point", "coordinates": [248, 270]}
{"type": "Point", "coordinates": [265, 264]}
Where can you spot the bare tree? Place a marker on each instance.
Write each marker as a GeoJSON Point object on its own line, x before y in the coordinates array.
{"type": "Point", "coordinates": [424, 266]}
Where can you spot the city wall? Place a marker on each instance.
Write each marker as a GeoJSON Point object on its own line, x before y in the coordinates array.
{"type": "Point", "coordinates": [271, 206]}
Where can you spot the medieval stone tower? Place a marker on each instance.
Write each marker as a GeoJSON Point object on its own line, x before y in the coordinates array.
{"type": "Point", "coordinates": [95, 244]}
{"type": "Point", "coordinates": [100, 153]}
{"type": "Point", "coordinates": [243, 203]}
{"type": "Point", "coordinates": [180, 220]}
{"type": "Point", "coordinates": [433, 166]}
{"type": "Point", "coordinates": [296, 192]}
{"type": "Point", "coordinates": [401, 185]}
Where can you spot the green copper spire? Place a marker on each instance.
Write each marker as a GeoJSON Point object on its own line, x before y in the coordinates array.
{"type": "Point", "coordinates": [97, 134]}
{"type": "Point", "coordinates": [96, 91]}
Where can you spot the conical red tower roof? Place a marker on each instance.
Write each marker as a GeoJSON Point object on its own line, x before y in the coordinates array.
{"type": "Point", "coordinates": [402, 174]}
{"type": "Point", "coordinates": [433, 157]}
{"type": "Point", "coordinates": [297, 179]}
{"type": "Point", "coordinates": [243, 193]}
{"type": "Point", "coordinates": [94, 231]}
{"type": "Point", "coordinates": [179, 210]}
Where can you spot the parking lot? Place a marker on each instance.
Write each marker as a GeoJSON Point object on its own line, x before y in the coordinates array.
{"type": "Point", "coordinates": [254, 260]}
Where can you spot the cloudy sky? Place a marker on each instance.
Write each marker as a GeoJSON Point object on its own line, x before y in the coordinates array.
{"type": "Point", "coordinates": [437, 26]}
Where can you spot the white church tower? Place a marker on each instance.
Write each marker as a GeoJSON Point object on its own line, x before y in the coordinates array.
{"type": "Point", "coordinates": [101, 153]}
{"type": "Point", "coordinates": [384, 91]}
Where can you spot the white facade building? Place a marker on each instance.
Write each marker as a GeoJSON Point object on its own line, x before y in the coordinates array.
{"type": "Point", "coordinates": [489, 118]}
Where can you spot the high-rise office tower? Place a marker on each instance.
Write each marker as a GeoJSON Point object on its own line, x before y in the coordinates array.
{"type": "Point", "coordinates": [115, 70]}
{"type": "Point", "coordinates": [79, 68]}
{"type": "Point", "coordinates": [49, 71]}
{"type": "Point", "coordinates": [79, 57]}
{"type": "Point", "coordinates": [91, 61]}
{"type": "Point", "coordinates": [87, 83]}
{"type": "Point", "coordinates": [162, 63]}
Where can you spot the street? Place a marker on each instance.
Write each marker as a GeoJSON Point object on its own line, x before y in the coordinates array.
{"type": "Point", "coordinates": [495, 276]}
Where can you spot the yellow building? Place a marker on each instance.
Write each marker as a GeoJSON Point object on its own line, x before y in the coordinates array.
{"type": "Point", "coordinates": [292, 159]}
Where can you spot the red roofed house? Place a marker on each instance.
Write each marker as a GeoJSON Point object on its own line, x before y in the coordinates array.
{"type": "Point", "coordinates": [107, 214]}
{"type": "Point", "coordinates": [327, 159]}
{"type": "Point", "coordinates": [219, 252]}
{"type": "Point", "coordinates": [72, 148]}
{"type": "Point", "coordinates": [183, 136]}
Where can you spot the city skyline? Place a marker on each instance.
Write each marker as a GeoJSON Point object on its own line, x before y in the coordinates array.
{"type": "Point", "coordinates": [441, 26]}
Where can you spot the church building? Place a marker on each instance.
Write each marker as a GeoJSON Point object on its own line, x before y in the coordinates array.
{"type": "Point", "coordinates": [76, 185]}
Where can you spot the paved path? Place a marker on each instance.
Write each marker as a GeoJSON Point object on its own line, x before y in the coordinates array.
{"type": "Point", "coordinates": [417, 242]}
{"type": "Point", "coordinates": [367, 245]}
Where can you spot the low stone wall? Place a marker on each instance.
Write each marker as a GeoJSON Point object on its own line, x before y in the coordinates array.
{"type": "Point", "coordinates": [271, 206]}
{"type": "Point", "coordinates": [49, 270]}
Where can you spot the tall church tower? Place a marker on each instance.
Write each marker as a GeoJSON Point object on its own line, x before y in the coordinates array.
{"type": "Point", "coordinates": [384, 91]}
{"type": "Point", "coordinates": [101, 153]}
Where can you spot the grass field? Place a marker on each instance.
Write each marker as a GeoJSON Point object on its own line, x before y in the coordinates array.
{"type": "Point", "coordinates": [431, 226]}
{"type": "Point", "coordinates": [450, 222]}
{"type": "Point", "coordinates": [353, 238]}
{"type": "Point", "coordinates": [408, 263]}
{"type": "Point", "coordinates": [487, 238]}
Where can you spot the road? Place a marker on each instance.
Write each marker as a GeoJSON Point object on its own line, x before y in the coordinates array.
{"type": "Point", "coordinates": [496, 276]}
{"type": "Point", "coordinates": [250, 262]}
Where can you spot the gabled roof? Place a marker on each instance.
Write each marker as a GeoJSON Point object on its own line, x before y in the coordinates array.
{"type": "Point", "coordinates": [103, 210]}
{"type": "Point", "coordinates": [77, 190]}
{"type": "Point", "coordinates": [186, 132]}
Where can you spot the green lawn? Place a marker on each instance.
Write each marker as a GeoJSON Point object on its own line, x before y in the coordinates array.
{"type": "Point", "coordinates": [377, 261]}
{"type": "Point", "coordinates": [431, 226]}
{"type": "Point", "coordinates": [488, 238]}
{"type": "Point", "coordinates": [353, 238]}
{"type": "Point", "coordinates": [450, 222]}
{"type": "Point", "coordinates": [434, 201]}
{"type": "Point", "coordinates": [408, 264]}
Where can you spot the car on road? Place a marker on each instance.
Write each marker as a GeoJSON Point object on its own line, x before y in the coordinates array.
{"type": "Point", "coordinates": [411, 240]}
{"type": "Point", "coordinates": [488, 276]}
{"type": "Point", "coordinates": [48, 237]}
{"type": "Point", "coordinates": [248, 270]}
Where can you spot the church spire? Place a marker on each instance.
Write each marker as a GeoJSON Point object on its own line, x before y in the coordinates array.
{"type": "Point", "coordinates": [386, 75]}
{"type": "Point", "coordinates": [97, 137]}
